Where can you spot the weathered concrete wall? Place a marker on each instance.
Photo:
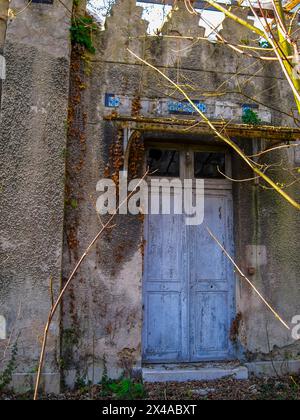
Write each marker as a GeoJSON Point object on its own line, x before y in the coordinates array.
{"type": "Point", "coordinates": [267, 242]}
{"type": "Point", "coordinates": [32, 155]}
{"type": "Point", "coordinates": [103, 312]}
{"type": "Point", "coordinates": [270, 244]}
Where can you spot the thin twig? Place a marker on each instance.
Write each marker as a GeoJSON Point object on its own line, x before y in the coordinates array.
{"type": "Point", "coordinates": [51, 291]}
{"type": "Point", "coordinates": [58, 301]}
{"type": "Point", "coordinates": [285, 146]}
{"type": "Point", "coordinates": [227, 140]}
{"type": "Point", "coordinates": [247, 280]}
{"type": "Point", "coordinates": [237, 180]}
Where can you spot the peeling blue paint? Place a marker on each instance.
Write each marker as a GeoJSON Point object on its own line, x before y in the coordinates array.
{"type": "Point", "coordinates": [112, 101]}
{"type": "Point", "coordinates": [246, 107]}
{"type": "Point", "coordinates": [185, 108]}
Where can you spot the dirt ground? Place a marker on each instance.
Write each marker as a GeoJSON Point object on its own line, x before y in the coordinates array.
{"type": "Point", "coordinates": [287, 388]}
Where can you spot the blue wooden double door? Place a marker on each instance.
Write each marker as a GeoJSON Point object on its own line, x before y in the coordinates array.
{"type": "Point", "coordinates": [188, 285]}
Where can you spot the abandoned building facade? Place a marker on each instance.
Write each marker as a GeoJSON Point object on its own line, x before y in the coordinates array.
{"type": "Point", "coordinates": [152, 290]}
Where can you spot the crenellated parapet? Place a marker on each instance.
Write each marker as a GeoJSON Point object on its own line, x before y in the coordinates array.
{"type": "Point", "coordinates": [236, 33]}
{"type": "Point", "coordinates": [71, 118]}
{"type": "Point", "coordinates": [122, 30]}
{"type": "Point", "coordinates": [181, 22]}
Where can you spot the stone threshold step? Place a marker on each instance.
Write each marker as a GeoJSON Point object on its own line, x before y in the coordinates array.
{"type": "Point", "coordinates": [171, 373]}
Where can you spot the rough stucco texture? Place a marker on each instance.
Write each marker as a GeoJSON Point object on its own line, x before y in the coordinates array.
{"type": "Point", "coordinates": [32, 156]}
{"type": "Point", "coordinates": [104, 306]}
{"type": "Point", "coordinates": [102, 313]}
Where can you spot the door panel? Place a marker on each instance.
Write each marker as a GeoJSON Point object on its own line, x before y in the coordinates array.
{"type": "Point", "coordinates": [189, 286]}
{"type": "Point", "coordinates": [207, 261]}
{"type": "Point", "coordinates": [209, 332]}
{"type": "Point", "coordinates": [211, 282]}
{"type": "Point", "coordinates": [165, 317]}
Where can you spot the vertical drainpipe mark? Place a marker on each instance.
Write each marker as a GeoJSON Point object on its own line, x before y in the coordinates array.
{"type": "Point", "coordinates": [2, 74]}
{"type": "Point", "coordinates": [256, 233]}
{"type": "Point", "coordinates": [2, 328]}
{"type": "Point", "coordinates": [2, 67]}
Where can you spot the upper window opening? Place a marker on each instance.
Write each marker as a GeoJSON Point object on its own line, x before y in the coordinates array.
{"type": "Point", "coordinates": [42, 1]}
{"type": "Point", "coordinates": [209, 165]}
{"type": "Point", "coordinates": [163, 162]}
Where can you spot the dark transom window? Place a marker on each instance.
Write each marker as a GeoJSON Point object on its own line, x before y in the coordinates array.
{"type": "Point", "coordinates": [43, 1]}
{"type": "Point", "coordinates": [163, 162]}
{"type": "Point", "coordinates": [209, 165]}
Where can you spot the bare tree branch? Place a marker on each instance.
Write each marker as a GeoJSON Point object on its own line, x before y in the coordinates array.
{"type": "Point", "coordinates": [247, 280]}
{"type": "Point", "coordinates": [225, 139]}
{"type": "Point", "coordinates": [63, 291]}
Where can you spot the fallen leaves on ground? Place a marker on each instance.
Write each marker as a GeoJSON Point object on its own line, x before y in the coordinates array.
{"type": "Point", "coordinates": [287, 388]}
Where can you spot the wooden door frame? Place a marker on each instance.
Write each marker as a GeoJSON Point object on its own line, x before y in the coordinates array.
{"type": "Point", "coordinates": [213, 186]}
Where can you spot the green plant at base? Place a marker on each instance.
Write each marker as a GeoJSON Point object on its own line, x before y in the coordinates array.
{"type": "Point", "coordinates": [6, 375]}
{"type": "Point", "coordinates": [82, 384]}
{"type": "Point", "coordinates": [250, 117]}
{"type": "Point", "coordinates": [81, 32]}
{"type": "Point", "coordinates": [127, 389]}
